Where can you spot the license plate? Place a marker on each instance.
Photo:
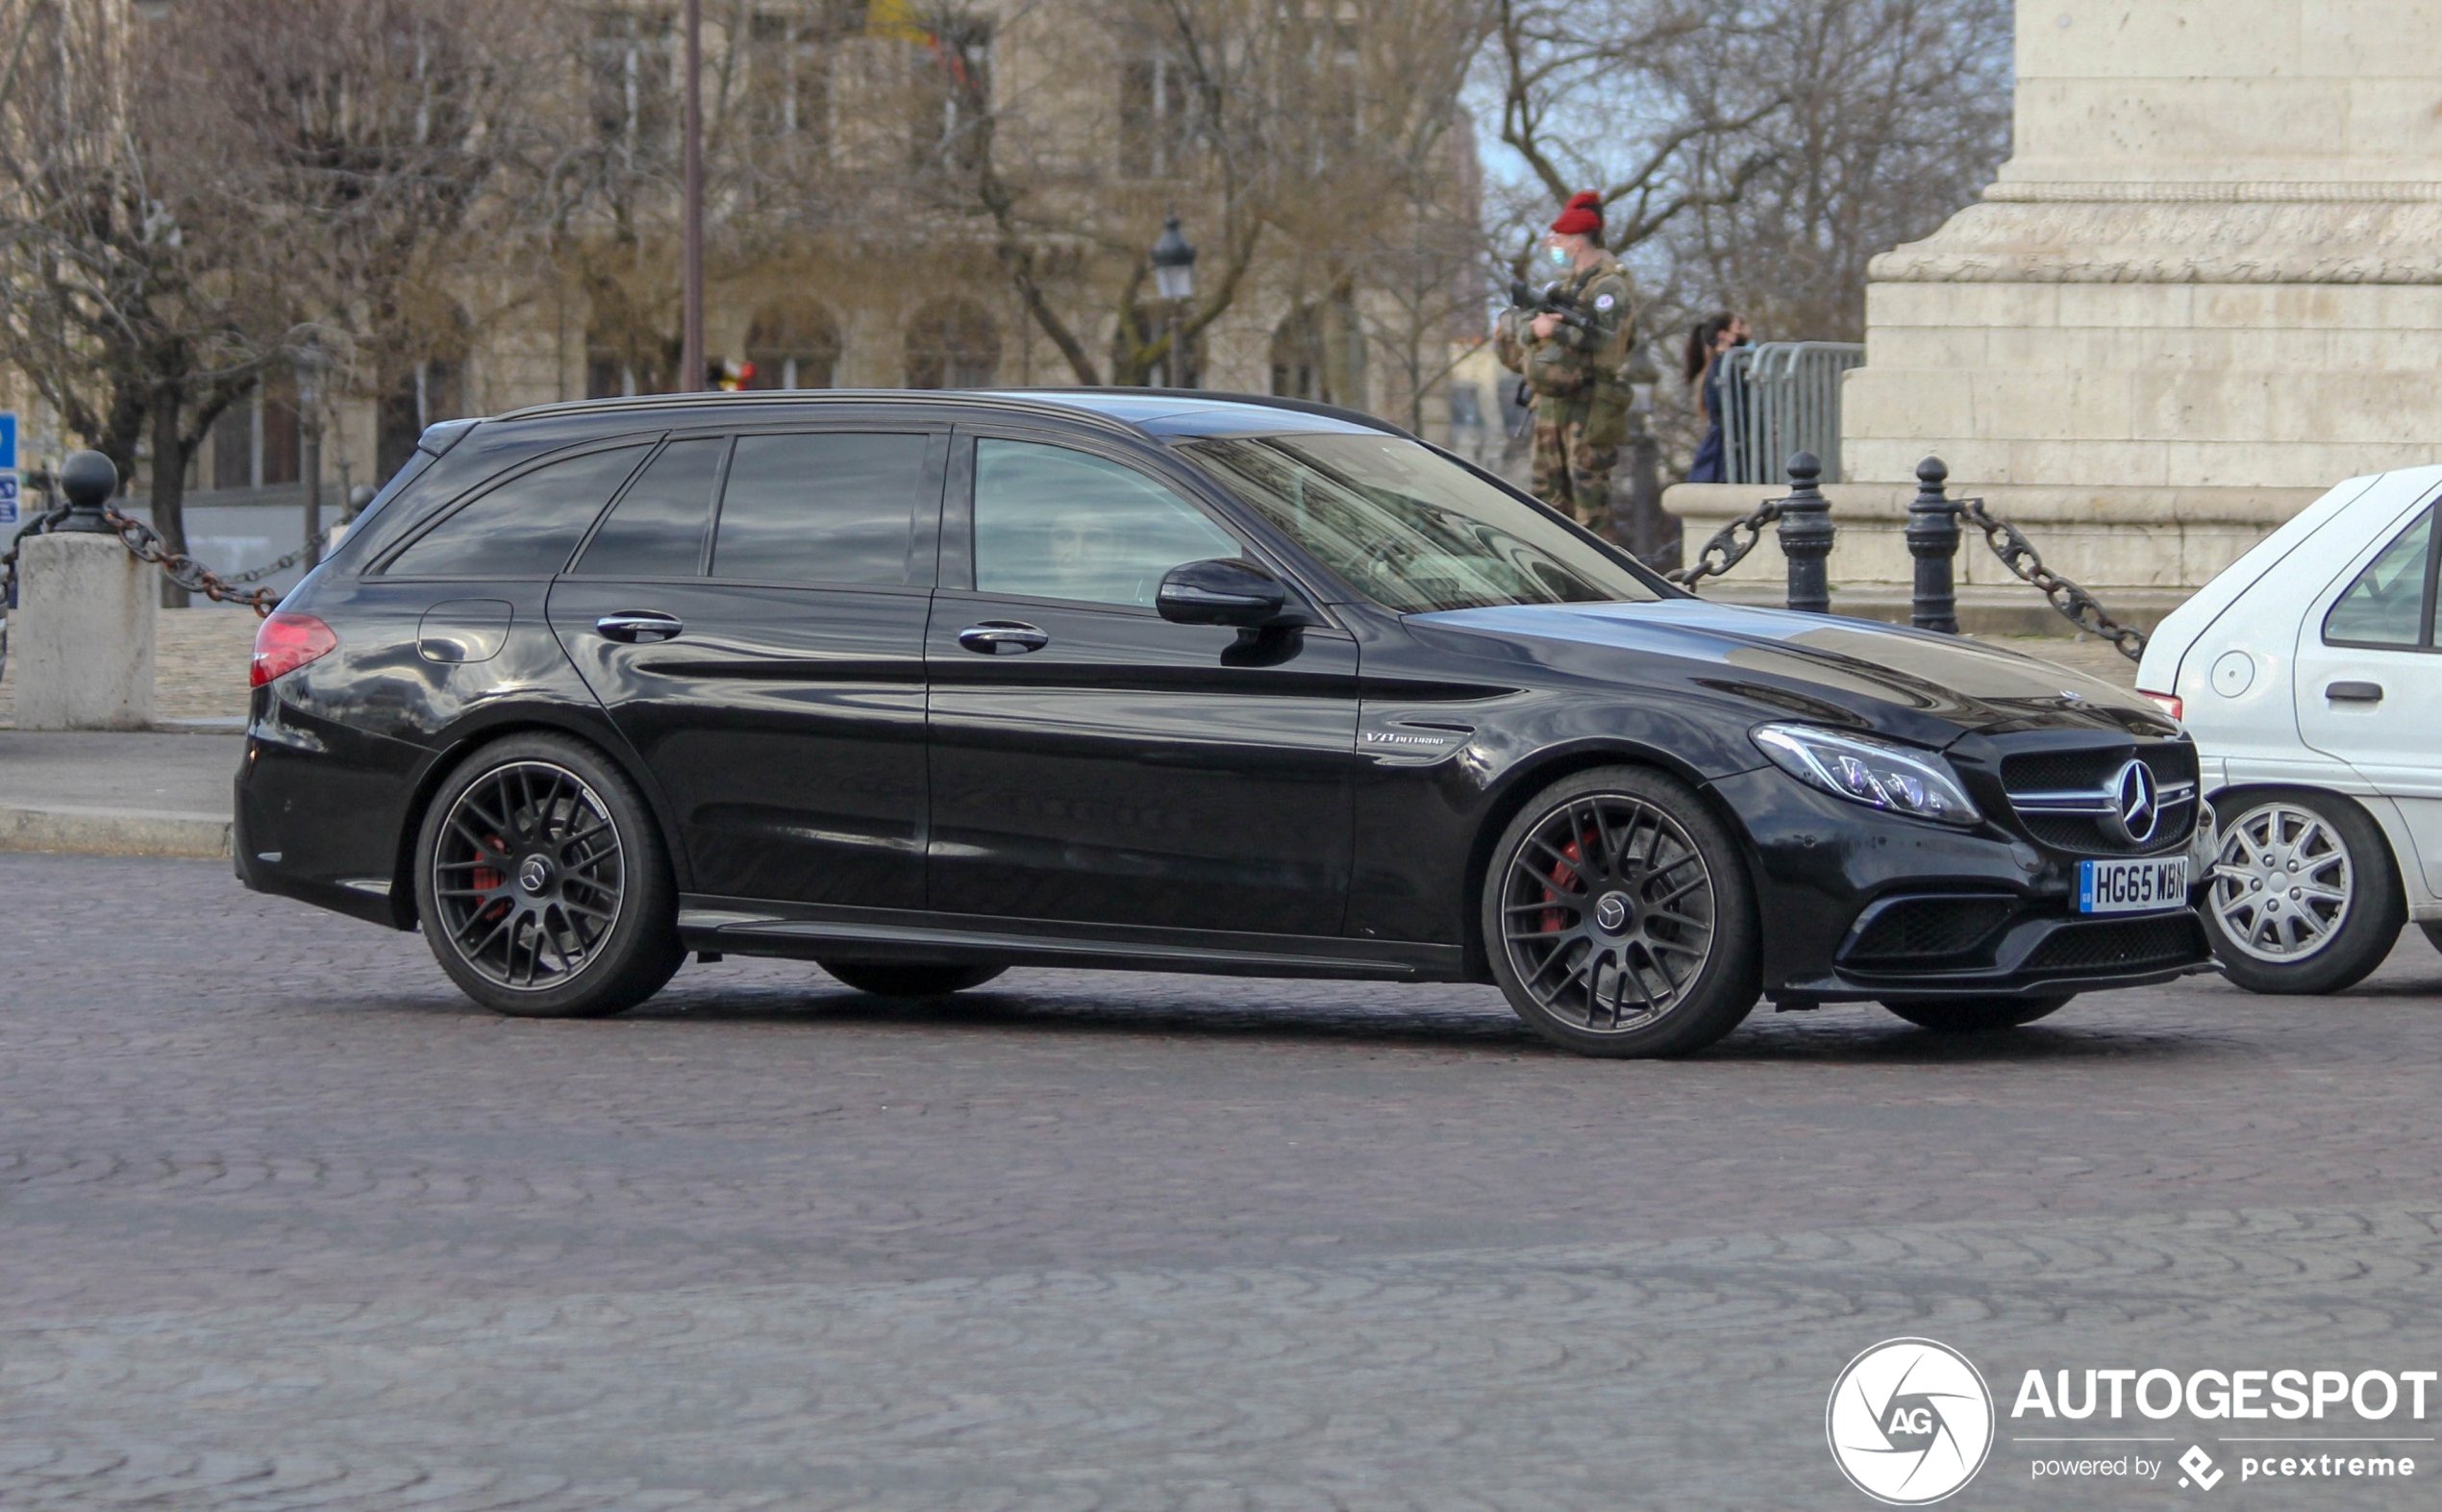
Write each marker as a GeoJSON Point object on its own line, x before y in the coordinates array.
{"type": "Point", "coordinates": [2148, 886]}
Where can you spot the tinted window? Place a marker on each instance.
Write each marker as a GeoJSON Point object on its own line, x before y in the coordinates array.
{"type": "Point", "coordinates": [2387, 604]}
{"type": "Point", "coordinates": [835, 507]}
{"type": "Point", "coordinates": [1053, 523]}
{"type": "Point", "coordinates": [525, 528]}
{"type": "Point", "coordinates": [657, 527]}
{"type": "Point", "coordinates": [1413, 531]}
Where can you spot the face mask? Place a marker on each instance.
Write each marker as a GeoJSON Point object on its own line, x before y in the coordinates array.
{"type": "Point", "coordinates": [1559, 256]}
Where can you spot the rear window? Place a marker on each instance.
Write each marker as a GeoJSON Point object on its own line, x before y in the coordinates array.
{"type": "Point", "coordinates": [524, 527]}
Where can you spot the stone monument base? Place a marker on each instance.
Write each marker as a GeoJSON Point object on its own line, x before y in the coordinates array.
{"type": "Point", "coordinates": [82, 635]}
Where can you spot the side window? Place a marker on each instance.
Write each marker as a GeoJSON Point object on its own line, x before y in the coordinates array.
{"type": "Point", "coordinates": [832, 506]}
{"type": "Point", "coordinates": [2391, 604]}
{"type": "Point", "coordinates": [526, 526]}
{"type": "Point", "coordinates": [657, 527]}
{"type": "Point", "coordinates": [1053, 523]}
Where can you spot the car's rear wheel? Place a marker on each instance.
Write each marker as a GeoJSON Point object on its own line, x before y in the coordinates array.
{"type": "Point", "coordinates": [542, 884]}
{"type": "Point", "coordinates": [1977, 1015]}
{"type": "Point", "coordinates": [2304, 897]}
{"type": "Point", "coordinates": [903, 980]}
{"type": "Point", "coordinates": [1617, 916]}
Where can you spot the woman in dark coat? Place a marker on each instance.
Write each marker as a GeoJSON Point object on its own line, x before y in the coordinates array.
{"type": "Point", "coordinates": [1712, 337]}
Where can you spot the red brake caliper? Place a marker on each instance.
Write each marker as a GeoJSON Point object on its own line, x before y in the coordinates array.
{"type": "Point", "coordinates": [1553, 921]}
{"type": "Point", "coordinates": [487, 878]}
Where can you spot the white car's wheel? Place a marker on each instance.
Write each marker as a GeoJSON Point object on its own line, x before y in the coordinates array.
{"type": "Point", "coordinates": [2304, 897]}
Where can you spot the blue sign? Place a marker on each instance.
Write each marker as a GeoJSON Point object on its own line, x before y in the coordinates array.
{"type": "Point", "coordinates": [7, 498]}
{"type": "Point", "coordinates": [8, 440]}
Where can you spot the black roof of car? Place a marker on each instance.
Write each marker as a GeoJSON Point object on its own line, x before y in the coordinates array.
{"type": "Point", "coordinates": [1164, 413]}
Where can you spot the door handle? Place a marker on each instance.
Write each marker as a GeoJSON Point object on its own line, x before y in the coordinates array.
{"type": "Point", "coordinates": [638, 627]}
{"type": "Point", "coordinates": [2354, 692]}
{"type": "Point", "coordinates": [1003, 637]}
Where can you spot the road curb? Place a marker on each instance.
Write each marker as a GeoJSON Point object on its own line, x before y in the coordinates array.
{"type": "Point", "coordinates": [111, 832]}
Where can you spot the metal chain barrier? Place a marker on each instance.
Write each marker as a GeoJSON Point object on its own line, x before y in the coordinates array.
{"type": "Point", "coordinates": [2080, 608]}
{"type": "Point", "coordinates": [319, 547]}
{"type": "Point", "coordinates": [1726, 550]}
{"type": "Point", "coordinates": [145, 544]}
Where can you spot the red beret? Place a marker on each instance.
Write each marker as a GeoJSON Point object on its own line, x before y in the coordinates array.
{"type": "Point", "coordinates": [1582, 219]}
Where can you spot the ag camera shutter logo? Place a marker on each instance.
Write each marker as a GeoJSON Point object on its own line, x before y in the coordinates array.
{"type": "Point", "coordinates": [1910, 1420]}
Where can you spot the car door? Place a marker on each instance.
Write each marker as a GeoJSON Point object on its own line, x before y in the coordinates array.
{"type": "Point", "coordinates": [751, 612]}
{"type": "Point", "coordinates": [2368, 680]}
{"type": "Point", "coordinates": [1094, 763]}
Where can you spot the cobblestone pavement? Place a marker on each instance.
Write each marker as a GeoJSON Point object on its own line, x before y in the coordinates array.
{"type": "Point", "coordinates": [285, 1224]}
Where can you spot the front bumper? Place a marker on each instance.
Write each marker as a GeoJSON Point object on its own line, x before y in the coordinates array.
{"type": "Point", "coordinates": [1858, 904]}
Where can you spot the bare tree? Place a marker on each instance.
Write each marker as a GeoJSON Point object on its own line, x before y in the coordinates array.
{"type": "Point", "coordinates": [1650, 102]}
{"type": "Point", "coordinates": [1857, 158]}
{"type": "Point", "coordinates": [130, 298]}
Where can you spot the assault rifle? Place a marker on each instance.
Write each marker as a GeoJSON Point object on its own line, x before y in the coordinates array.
{"type": "Point", "coordinates": [1549, 301]}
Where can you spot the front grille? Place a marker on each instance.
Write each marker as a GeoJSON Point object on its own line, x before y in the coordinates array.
{"type": "Point", "coordinates": [1921, 931]}
{"type": "Point", "coordinates": [2119, 945]}
{"type": "Point", "coordinates": [2090, 770]}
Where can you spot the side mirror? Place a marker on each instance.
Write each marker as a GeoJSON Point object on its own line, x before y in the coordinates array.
{"type": "Point", "coordinates": [1225, 590]}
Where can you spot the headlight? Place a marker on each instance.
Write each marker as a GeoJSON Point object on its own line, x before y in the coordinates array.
{"type": "Point", "coordinates": [1871, 772]}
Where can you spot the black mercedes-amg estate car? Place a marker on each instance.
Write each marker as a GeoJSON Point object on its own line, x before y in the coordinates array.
{"type": "Point", "coordinates": [920, 686]}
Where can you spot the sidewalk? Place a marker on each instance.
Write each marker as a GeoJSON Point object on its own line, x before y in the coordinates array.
{"type": "Point", "coordinates": [117, 794]}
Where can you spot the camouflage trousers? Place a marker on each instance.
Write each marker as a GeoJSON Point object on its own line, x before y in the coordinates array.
{"type": "Point", "coordinates": [1570, 475]}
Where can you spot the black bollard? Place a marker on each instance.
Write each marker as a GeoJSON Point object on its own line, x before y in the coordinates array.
{"type": "Point", "coordinates": [90, 481]}
{"type": "Point", "coordinates": [1805, 536]}
{"type": "Point", "coordinates": [1933, 539]}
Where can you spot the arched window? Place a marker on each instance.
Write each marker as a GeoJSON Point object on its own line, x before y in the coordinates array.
{"type": "Point", "coordinates": [628, 358]}
{"type": "Point", "coordinates": [1318, 353]}
{"type": "Point", "coordinates": [793, 344]}
{"type": "Point", "coordinates": [417, 390]}
{"type": "Point", "coordinates": [951, 345]}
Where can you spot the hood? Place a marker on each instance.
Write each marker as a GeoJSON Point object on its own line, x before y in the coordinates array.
{"type": "Point", "coordinates": [1910, 683]}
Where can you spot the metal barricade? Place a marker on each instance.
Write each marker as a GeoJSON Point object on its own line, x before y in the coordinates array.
{"type": "Point", "coordinates": [1779, 399]}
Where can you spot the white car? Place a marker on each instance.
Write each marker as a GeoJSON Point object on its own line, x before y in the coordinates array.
{"type": "Point", "coordinates": [2309, 677]}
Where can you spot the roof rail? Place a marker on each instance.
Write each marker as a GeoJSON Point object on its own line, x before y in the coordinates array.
{"type": "Point", "coordinates": [1225, 396]}
{"type": "Point", "coordinates": [777, 396]}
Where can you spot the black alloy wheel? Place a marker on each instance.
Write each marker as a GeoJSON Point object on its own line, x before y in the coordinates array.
{"type": "Point", "coordinates": [909, 979]}
{"type": "Point", "coordinates": [2304, 897]}
{"type": "Point", "coordinates": [1618, 919]}
{"type": "Point", "coordinates": [543, 884]}
{"type": "Point", "coordinates": [1977, 1015]}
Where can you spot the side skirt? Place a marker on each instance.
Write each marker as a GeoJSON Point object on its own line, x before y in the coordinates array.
{"type": "Point", "coordinates": [746, 926]}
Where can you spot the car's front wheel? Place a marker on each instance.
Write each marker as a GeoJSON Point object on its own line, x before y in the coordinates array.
{"type": "Point", "coordinates": [904, 980]}
{"type": "Point", "coordinates": [1617, 916]}
{"type": "Point", "coordinates": [543, 884]}
{"type": "Point", "coordinates": [2304, 897]}
{"type": "Point", "coordinates": [1976, 1015]}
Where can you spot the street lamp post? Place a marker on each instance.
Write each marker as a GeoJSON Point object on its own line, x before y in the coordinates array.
{"type": "Point", "coordinates": [692, 249]}
{"type": "Point", "coordinates": [1174, 279]}
{"type": "Point", "coordinates": [308, 369]}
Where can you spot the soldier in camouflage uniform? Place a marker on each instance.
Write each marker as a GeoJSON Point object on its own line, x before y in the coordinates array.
{"type": "Point", "coordinates": [1580, 401]}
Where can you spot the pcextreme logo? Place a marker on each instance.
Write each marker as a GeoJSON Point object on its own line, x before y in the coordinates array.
{"type": "Point", "coordinates": [1910, 1422]}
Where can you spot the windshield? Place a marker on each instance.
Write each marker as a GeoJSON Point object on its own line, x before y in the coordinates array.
{"type": "Point", "coordinates": [1412, 531]}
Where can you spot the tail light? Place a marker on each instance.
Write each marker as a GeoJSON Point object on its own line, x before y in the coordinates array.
{"type": "Point", "coordinates": [288, 641]}
{"type": "Point", "coordinates": [2168, 703]}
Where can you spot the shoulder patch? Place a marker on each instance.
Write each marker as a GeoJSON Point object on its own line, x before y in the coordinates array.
{"type": "Point", "coordinates": [1603, 302]}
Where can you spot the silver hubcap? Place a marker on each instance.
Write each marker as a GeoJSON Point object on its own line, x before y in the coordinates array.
{"type": "Point", "coordinates": [1607, 913]}
{"type": "Point", "coordinates": [529, 876]}
{"type": "Point", "coordinates": [2281, 882]}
